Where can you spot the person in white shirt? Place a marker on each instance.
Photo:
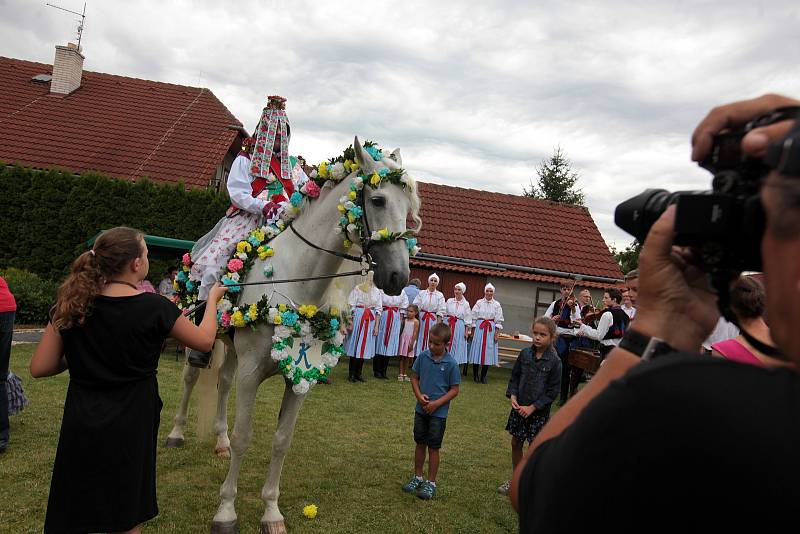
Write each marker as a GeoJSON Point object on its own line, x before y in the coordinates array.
{"type": "Point", "coordinates": [487, 320]}
{"type": "Point", "coordinates": [431, 305]}
{"type": "Point", "coordinates": [611, 325]}
{"type": "Point", "coordinates": [627, 304]}
{"type": "Point", "coordinates": [366, 305]}
{"type": "Point", "coordinates": [458, 317]}
{"type": "Point", "coordinates": [388, 342]}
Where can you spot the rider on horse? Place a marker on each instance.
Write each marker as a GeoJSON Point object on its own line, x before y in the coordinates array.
{"type": "Point", "coordinates": [260, 184]}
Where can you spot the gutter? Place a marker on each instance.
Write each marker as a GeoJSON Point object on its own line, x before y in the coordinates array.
{"type": "Point", "coordinates": [508, 267]}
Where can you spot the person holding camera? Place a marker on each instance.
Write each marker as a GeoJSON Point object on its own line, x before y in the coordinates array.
{"type": "Point", "coordinates": [677, 440]}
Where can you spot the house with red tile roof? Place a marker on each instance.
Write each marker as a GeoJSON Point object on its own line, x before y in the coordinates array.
{"type": "Point", "coordinates": [525, 247]}
{"type": "Point", "coordinates": [60, 116]}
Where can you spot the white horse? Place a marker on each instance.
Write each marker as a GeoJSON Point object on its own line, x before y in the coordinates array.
{"type": "Point", "coordinates": [385, 207]}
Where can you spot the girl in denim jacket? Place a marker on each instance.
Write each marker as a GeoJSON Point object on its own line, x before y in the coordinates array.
{"type": "Point", "coordinates": [534, 384]}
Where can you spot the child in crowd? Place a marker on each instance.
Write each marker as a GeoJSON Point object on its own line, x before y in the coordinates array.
{"type": "Point", "coordinates": [109, 334]}
{"type": "Point", "coordinates": [408, 339]}
{"type": "Point", "coordinates": [535, 381]}
{"type": "Point", "coordinates": [435, 383]}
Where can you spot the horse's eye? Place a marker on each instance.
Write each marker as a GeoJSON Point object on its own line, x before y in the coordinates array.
{"type": "Point", "coordinates": [378, 202]}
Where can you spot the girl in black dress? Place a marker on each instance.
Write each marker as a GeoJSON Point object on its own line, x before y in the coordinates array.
{"type": "Point", "coordinates": [109, 335]}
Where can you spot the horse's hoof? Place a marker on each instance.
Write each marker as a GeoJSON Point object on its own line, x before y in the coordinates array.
{"type": "Point", "coordinates": [223, 452]}
{"type": "Point", "coordinates": [273, 527]}
{"type": "Point", "coordinates": [224, 527]}
{"type": "Point", "coordinates": [173, 443]}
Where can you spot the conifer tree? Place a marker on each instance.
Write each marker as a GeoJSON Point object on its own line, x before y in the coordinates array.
{"type": "Point", "coordinates": [556, 180]}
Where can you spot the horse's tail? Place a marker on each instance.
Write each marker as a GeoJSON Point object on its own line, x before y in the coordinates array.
{"type": "Point", "coordinates": [207, 392]}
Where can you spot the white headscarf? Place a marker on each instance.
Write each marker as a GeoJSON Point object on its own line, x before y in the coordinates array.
{"type": "Point", "coordinates": [488, 286]}
{"type": "Point", "coordinates": [462, 286]}
{"type": "Point", "coordinates": [434, 276]}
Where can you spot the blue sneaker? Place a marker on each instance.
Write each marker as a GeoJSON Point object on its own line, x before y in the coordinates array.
{"type": "Point", "coordinates": [426, 490]}
{"type": "Point", "coordinates": [413, 485]}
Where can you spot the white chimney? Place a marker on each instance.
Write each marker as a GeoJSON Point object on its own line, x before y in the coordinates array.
{"type": "Point", "coordinates": [67, 69]}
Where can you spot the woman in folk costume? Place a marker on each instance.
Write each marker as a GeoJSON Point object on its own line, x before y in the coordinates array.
{"type": "Point", "coordinates": [459, 317]}
{"type": "Point", "coordinates": [388, 342]}
{"type": "Point", "coordinates": [487, 319]}
{"type": "Point", "coordinates": [260, 183]}
{"type": "Point", "coordinates": [431, 305]}
{"type": "Point", "coordinates": [366, 305]}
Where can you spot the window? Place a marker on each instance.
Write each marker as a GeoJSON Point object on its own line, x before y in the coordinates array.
{"type": "Point", "coordinates": [545, 297]}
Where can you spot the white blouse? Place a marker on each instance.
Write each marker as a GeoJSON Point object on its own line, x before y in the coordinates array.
{"type": "Point", "coordinates": [239, 188]}
{"type": "Point", "coordinates": [399, 301]}
{"type": "Point", "coordinates": [431, 301]}
{"type": "Point", "coordinates": [488, 309]}
{"type": "Point", "coordinates": [459, 309]}
{"type": "Point", "coordinates": [371, 299]}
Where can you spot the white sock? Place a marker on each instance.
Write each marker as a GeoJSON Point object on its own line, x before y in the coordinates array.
{"type": "Point", "coordinates": [432, 483]}
{"type": "Point", "coordinates": [418, 477]}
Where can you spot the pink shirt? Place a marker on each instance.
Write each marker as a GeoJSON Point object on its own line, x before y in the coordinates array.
{"type": "Point", "coordinates": [7, 302]}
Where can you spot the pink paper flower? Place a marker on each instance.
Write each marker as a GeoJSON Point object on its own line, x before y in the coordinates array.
{"type": "Point", "coordinates": [187, 259]}
{"type": "Point", "coordinates": [235, 264]}
{"type": "Point", "coordinates": [311, 189]}
{"type": "Point", "coordinates": [225, 319]}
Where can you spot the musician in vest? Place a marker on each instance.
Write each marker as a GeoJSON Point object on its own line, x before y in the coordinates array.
{"type": "Point", "coordinates": [388, 342]}
{"type": "Point", "coordinates": [432, 307]}
{"type": "Point", "coordinates": [366, 306]}
{"type": "Point", "coordinates": [458, 316]}
{"type": "Point", "coordinates": [261, 180]}
{"type": "Point", "coordinates": [565, 312]}
{"type": "Point", "coordinates": [612, 323]}
{"type": "Point", "coordinates": [487, 320]}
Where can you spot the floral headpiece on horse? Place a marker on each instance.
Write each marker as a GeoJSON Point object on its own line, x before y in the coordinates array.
{"type": "Point", "coordinates": [273, 122]}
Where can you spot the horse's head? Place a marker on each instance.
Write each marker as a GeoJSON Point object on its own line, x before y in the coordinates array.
{"type": "Point", "coordinates": [388, 207]}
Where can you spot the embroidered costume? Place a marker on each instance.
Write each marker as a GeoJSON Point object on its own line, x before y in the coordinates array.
{"type": "Point", "coordinates": [394, 310]}
{"type": "Point", "coordinates": [431, 309]}
{"type": "Point", "coordinates": [367, 308]}
{"type": "Point", "coordinates": [487, 316]}
{"type": "Point", "coordinates": [260, 184]}
{"type": "Point", "coordinates": [458, 317]}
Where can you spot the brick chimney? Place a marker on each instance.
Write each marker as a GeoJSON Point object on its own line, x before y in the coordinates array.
{"type": "Point", "coordinates": [67, 69]}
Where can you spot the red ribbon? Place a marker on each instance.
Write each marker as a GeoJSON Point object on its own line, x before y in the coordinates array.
{"type": "Point", "coordinates": [486, 325]}
{"type": "Point", "coordinates": [363, 327]}
{"type": "Point", "coordinates": [427, 317]}
{"type": "Point", "coordinates": [390, 310]}
{"type": "Point", "coordinates": [451, 321]}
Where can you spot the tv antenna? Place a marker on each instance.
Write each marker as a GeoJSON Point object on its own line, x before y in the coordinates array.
{"type": "Point", "coordinates": [80, 25]}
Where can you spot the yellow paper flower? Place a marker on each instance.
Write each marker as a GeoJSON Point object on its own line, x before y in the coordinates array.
{"type": "Point", "coordinates": [348, 243]}
{"type": "Point", "coordinates": [252, 311]}
{"type": "Point", "coordinates": [237, 318]}
{"type": "Point", "coordinates": [348, 164]}
{"type": "Point", "coordinates": [341, 208]}
{"type": "Point", "coordinates": [354, 166]}
{"type": "Point", "coordinates": [243, 246]}
{"type": "Point", "coordinates": [307, 310]}
{"type": "Point", "coordinates": [175, 285]}
{"type": "Point", "coordinates": [282, 308]}
{"type": "Point", "coordinates": [322, 170]}
{"type": "Point", "coordinates": [352, 195]}
{"type": "Point", "coordinates": [310, 511]}
{"type": "Point", "coordinates": [334, 311]}
{"type": "Point", "coordinates": [258, 234]}
{"type": "Point", "coordinates": [351, 217]}
{"type": "Point", "coordinates": [186, 268]}
{"type": "Point", "coordinates": [375, 179]}
{"type": "Point", "coordinates": [384, 233]}
{"type": "Point", "coordinates": [277, 320]}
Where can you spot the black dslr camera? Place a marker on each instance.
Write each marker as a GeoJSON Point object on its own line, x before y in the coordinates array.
{"type": "Point", "coordinates": [723, 225]}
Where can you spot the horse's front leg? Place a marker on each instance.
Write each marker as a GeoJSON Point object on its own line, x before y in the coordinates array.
{"type": "Point", "coordinates": [252, 370]}
{"type": "Point", "coordinates": [224, 382]}
{"type": "Point", "coordinates": [272, 521]}
{"type": "Point", "coordinates": [175, 437]}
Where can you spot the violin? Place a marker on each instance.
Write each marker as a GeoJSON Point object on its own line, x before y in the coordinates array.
{"type": "Point", "coordinates": [590, 314]}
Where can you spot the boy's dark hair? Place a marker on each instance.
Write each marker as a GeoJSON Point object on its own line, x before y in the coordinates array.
{"type": "Point", "coordinates": [632, 275]}
{"type": "Point", "coordinates": [747, 298]}
{"type": "Point", "coordinates": [441, 331]}
{"type": "Point", "coordinates": [615, 294]}
{"type": "Point", "coordinates": [415, 282]}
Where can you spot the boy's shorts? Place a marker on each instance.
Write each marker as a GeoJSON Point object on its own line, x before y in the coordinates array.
{"type": "Point", "coordinates": [429, 430]}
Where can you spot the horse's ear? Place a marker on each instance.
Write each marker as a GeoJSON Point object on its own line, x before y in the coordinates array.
{"type": "Point", "coordinates": [395, 155]}
{"type": "Point", "coordinates": [364, 160]}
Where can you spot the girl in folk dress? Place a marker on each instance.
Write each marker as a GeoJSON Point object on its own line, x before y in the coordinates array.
{"type": "Point", "coordinates": [459, 317]}
{"type": "Point", "coordinates": [104, 476]}
{"type": "Point", "coordinates": [387, 344]}
{"type": "Point", "coordinates": [431, 305]}
{"type": "Point", "coordinates": [366, 304]}
{"type": "Point", "coordinates": [408, 338]}
{"type": "Point", "coordinates": [487, 319]}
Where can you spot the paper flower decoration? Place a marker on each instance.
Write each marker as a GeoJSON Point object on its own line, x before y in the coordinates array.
{"type": "Point", "coordinates": [310, 511]}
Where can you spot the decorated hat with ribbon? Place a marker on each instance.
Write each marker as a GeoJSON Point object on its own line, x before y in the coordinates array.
{"type": "Point", "coordinates": [273, 122]}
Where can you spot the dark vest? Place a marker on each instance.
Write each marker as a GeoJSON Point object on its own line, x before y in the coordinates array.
{"type": "Point", "coordinates": [619, 325]}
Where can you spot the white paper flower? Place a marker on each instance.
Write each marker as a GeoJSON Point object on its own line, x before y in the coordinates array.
{"type": "Point", "coordinates": [337, 171]}
{"type": "Point", "coordinates": [352, 228]}
{"type": "Point", "coordinates": [302, 387]}
{"type": "Point", "coordinates": [234, 277]}
{"type": "Point", "coordinates": [224, 305]}
{"type": "Point", "coordinates": [283, 331]}
{"type": "Point", "coordinates": [348, 205]}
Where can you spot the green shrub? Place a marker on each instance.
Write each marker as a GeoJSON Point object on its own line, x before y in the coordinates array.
{"type": "Point", "coordinates": [34, 295]}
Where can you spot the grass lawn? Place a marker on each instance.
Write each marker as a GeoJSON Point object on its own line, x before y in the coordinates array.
{"type": "Point", "coordinates": [352, 451]}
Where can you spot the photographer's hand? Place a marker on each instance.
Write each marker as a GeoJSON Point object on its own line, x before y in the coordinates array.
{"type": "Point", "coordinates": [736, 115]}
{"type": "Point", "coordinates": [675, 302]}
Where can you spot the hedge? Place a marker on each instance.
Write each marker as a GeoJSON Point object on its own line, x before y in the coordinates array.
{"type": "Point", "coordinates": [46, 217]}
{"type": "Point", "coordinates": [33, 295]}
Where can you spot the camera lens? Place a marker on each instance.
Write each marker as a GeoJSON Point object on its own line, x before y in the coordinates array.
{"type": "Point", "coordinates": [636, 215]}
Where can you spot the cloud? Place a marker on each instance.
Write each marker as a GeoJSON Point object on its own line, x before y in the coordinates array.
{"type": "Point", "coordinates": [474, 93]}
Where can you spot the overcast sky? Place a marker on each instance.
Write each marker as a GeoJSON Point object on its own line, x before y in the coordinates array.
{"type": "Point", "coordinates": [475, 94]}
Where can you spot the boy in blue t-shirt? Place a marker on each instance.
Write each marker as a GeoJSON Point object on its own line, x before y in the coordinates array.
{"type": "Point", "coordinates": [435, 381]}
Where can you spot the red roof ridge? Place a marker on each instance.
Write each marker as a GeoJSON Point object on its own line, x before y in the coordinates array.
{"type": "Point", "coordinates": [512, 195]}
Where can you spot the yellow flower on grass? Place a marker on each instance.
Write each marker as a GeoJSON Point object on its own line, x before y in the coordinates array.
{"type": "Point", "coordinates": [375, 179]}
{"type": "Point", "coordinates": [243, 246]}
{"type": "Point", "coordinates": [237, 318]}
{"type": "Point", "coordinates": [310, 511]}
